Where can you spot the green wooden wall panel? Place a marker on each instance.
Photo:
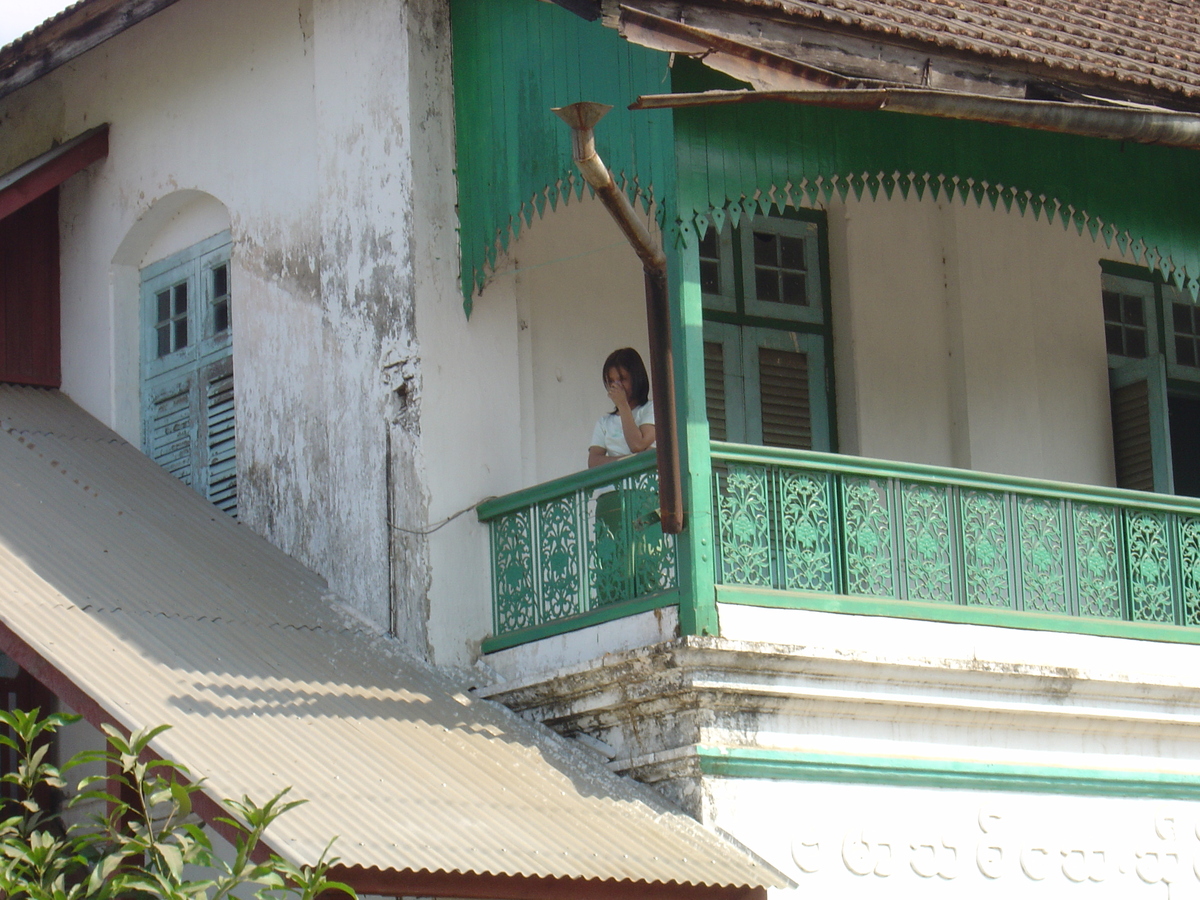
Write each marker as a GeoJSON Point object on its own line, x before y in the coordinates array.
{"type": "Point", "coordinates": [513, 61]}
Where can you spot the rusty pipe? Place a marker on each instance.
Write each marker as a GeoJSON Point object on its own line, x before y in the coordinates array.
{"type": "Point", "coordinates": [1117, 123]}
{"type": "Point", "coordinates": [582, 118]}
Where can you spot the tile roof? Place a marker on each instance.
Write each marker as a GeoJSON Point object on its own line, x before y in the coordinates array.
{"type": "Point", "coordinates": [155, 607]}
{"type": "Point", "coordinates": [1136, 44]}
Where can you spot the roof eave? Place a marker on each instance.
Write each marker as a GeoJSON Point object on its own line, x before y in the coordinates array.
{"type": "Point", "coordinates": [486, 886]}
{"type": "Point", "coordinates": [1013, 74]}
{"type": "Point", "coordinates": [66, 36]}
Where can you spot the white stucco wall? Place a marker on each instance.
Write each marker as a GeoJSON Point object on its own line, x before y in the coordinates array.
{"type": "Point", "coordinates": [289, 123]}
{"type": "Point", "coordinates": [969, 337]}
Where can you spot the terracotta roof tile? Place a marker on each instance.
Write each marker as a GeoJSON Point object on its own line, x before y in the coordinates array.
{"type": "Point", "coordinates": [1138, 44]}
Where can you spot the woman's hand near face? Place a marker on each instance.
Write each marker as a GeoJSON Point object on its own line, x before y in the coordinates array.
{"type": "Point", "coordinates": [616, 393]}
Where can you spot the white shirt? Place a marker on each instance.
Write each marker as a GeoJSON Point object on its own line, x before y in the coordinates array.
{"type": "Point", "coordinates": [609, 434]}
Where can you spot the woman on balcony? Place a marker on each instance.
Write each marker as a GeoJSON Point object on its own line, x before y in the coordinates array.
{"type": "Point", "coordinates": [629, 428]}
{"type": "Point", "coordinates": [628, 537]}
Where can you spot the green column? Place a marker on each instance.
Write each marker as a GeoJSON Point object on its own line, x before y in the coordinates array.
{"type": "Point", "coordinates": [697, 592]}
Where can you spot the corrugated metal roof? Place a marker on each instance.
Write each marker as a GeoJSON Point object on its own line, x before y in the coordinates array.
{"type": "Point", "coordinates": [1145, 44]}
{"type": "Point", "coordinates": [162, 609]}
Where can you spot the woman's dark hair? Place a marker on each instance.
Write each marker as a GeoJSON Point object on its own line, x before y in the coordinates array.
{"type": "Point", "coordinates": [631, 361]}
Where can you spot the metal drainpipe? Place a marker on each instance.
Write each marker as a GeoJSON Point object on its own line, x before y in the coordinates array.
{"type": "Point", "coordinates": [582, 118]}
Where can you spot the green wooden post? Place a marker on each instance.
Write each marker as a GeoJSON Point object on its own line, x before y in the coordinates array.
{"type": "Point", "coordinates": [697, 590]}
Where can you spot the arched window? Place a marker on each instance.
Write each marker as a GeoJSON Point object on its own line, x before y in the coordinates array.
{"type": "Point", "coordinates": [188, 423]}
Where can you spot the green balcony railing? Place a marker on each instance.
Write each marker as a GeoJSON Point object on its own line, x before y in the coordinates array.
{"type": "Point", "coordinates": [821, 523]}
{"type": "Point", "coordinates": [578, 550]}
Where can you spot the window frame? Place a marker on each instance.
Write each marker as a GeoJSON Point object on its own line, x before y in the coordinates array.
{"type": "Point", "coordinates": [194, 265]}
{"type": "Point", "coordinates": [737, 322]}
{"type": "Point", "coordinates": [780, 226]}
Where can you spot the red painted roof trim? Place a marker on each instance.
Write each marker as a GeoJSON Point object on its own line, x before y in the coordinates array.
{"type": "Point", "coordinates": [484, 886]}
{"type": "Point", "coordinates": [42, 174]}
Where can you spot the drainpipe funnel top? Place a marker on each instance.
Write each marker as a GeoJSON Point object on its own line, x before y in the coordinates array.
{"type": "Point", "coordinates": [583, 115]}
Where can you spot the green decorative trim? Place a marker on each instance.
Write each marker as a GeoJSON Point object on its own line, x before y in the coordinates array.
{"type": "Point", "coordinates": [946, 612]}
{"type": "Point", "coordinates": [588, 479]}
{"type": "Point", "coordinates": [949, 773]}
{"type": "Point", "coordinates": [513, 61]}
{"type": "Point", "coordinates": [855, 465]}
{"type": "Point", "coordinates": [760, 159]}
{"type": "Point", "coordinates": [583, 620]}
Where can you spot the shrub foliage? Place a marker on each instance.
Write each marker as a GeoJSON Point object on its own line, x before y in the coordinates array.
{"type": "Point", "coordinates": [133, 834]}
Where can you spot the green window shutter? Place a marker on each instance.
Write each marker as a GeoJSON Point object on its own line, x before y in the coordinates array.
{"type": "Point", "coordinates": [724, 383]}
{"type": "Point", "coordinates": [783, 385]}
{"type": "Point", "coordinates": [188, 415]}
{"type": "Point", "coordinates": [1141, 436]}
{"type": "Point", "coordinates": [714, 389]}
{"type": "Point", "coordinates": [785, 389]}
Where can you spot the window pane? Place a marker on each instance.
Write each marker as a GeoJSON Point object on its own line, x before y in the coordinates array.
{"type": "Point", "coordinates": [766, 285]}
{"type": "Point", "coordinates": [1112, 340]}
{"type": "Point", "coordinates": [220, 280]}
{"type": "Point", "coordinates": [710, 276]}
{"type": "Point", "coordinates": [181, 335]}
{"type": "Point", "coordinates": [1183, 319]}
{"type": "Point", "coordinates": [794, 289]}
{"type": "Point", "coordinates": [709, 248]}
{"type": "Point", "coordinates": [1185, 351]}
{"type": "Point", "coordinates": [164, 339]}
{"type": "Point", "coordinates": [181, 299]}
{"type": "Point", "coordinates": [221, 317]}
{"type": "Point", "coordinates": [1135, 343]}
{"type": "Point", "coordinates": [792, 252]}
{"type": "Point", "coordinates": [1112, 306]}
{"type": "Point", "coordinates": [764, 249]}
{"type": "Point", "coordinates": [1133, 311]}
{"type": "Point", "coordinates": [164, 305]}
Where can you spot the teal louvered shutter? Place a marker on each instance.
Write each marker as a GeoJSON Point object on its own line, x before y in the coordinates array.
{"type": "Point", "coordinates": [171, 428]}
{"type": "Point", "coordinates": [220, 436]}
{"type": "Point", "coordinates": [188, 408]}
{"type": "Point", "coordinates": [724, 382]}
{"type": "Point", "coordinates": [1141, 435]}
{"type": "Point", "coordinates": [785, 389]}
{"type": "Point", "coordinates": [765, 386]}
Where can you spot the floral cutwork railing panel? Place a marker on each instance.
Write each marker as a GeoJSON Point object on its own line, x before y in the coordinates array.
{"type": "Point", "coordinates": [928, 558]}
{"type": "Point", "coordinates": [512, 555]}
{"type": "Point", "coordinates": [744, 527]}
{"type": "Point", "coordinates": [1189, 569]}
{"type": "Point", "coordinates": [1146, 536]}
{"type": "Point", "coordinates": [1098, 581]}
{"type": "Point", "coordinates": [1042, 528]}
{"type": "Point", "coordinates": [809, 522]}
{"type": "Point", "coordinates": [806, 513]}
{"type": "Point", "coordinates": [581, 550]}
{"type": "Point", "coordinates": [869, 541]}
{"type": "Point", "coordinates": [987, 543]}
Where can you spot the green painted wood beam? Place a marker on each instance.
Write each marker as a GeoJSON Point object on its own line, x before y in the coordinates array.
{"type": "Point", "coordinates": [785, 765]}
{"type": "Point", "coordinates": [947, 612]}
{"type": "Point", "coordinates": [583, 620]}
